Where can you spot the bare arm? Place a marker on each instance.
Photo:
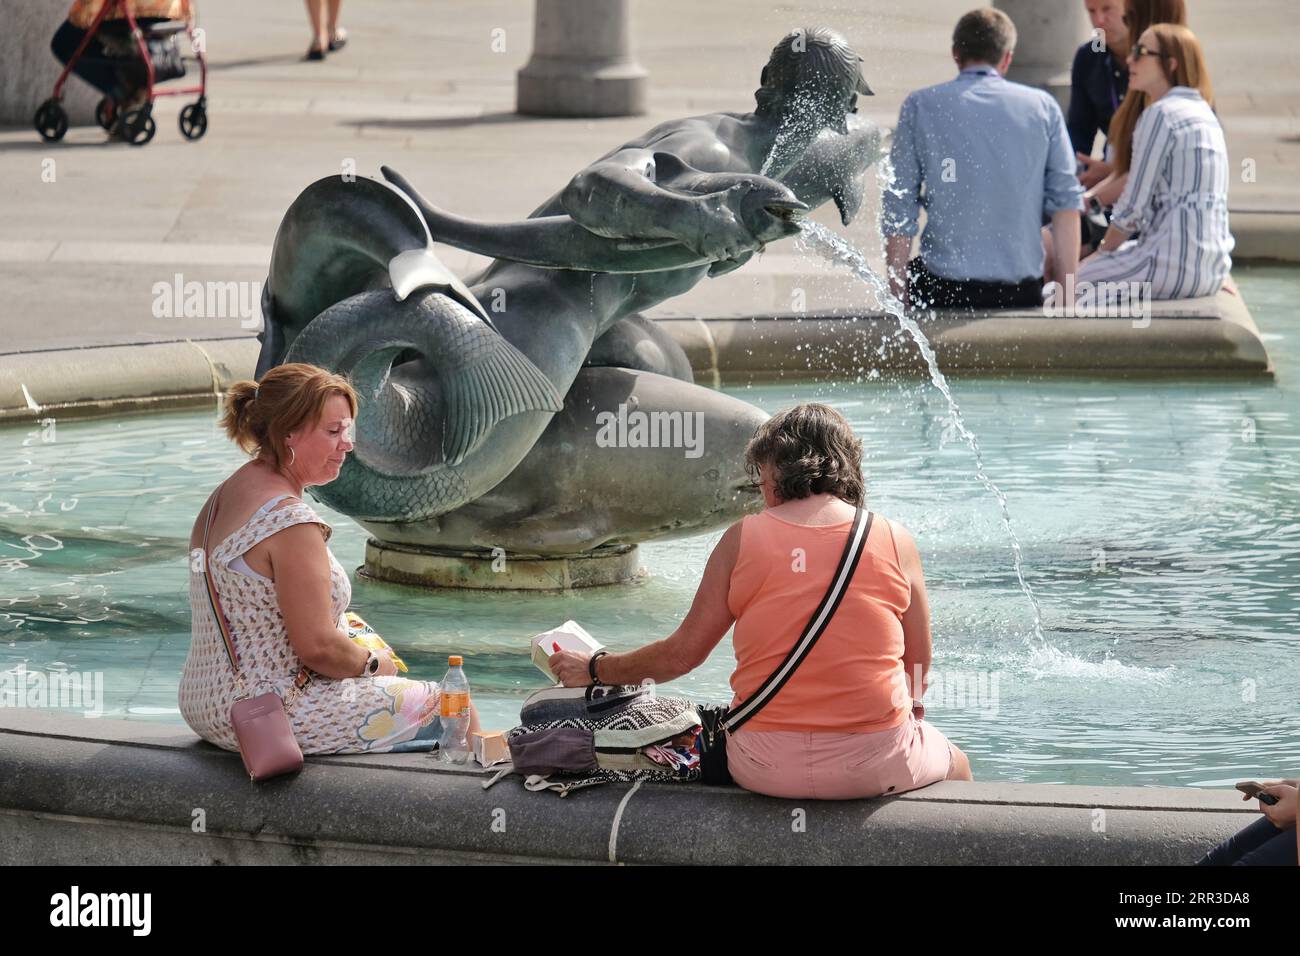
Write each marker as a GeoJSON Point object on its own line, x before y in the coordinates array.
{"type": "Point", "coordinates": [1095, 171]}
{"type": "Point", "coordinates": [1108, 191]}
{"type": "Point", "coordinates": [1114, 238]}
{"type": "Point", "coordinates": [302, 588]}
{"type": "Point", "coordinates": [682, 651]}
{"type": "Point", "coordinates": [618, 196]}
{"type": "Point", "coordinates": [1065, 242]}
{"type": "Point", "coordinates": [897, 249]}
{"type": "Point", "coordinates": [917, 649]}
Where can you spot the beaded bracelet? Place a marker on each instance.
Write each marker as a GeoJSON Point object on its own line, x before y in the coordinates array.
{"type": "Point", "coordinates": [591, 665]}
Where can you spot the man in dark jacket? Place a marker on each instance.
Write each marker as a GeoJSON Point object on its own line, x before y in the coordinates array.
{"type": "Point", "coordinates": [1098, 82]}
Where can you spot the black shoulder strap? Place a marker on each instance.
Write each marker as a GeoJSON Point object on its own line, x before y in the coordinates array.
{"type": "Point", "coordinates": [816, 624]}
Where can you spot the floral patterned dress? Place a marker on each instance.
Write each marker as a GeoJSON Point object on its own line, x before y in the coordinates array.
{"type": "Point", "coordinates": [330, 716]}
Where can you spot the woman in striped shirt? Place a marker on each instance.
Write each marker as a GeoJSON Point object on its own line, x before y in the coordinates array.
{"type": "Point", "coordinates": [1177, 190]}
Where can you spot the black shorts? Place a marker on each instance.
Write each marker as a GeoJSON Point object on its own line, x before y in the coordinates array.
{"type": "Point", "coordinates": [925, 290]}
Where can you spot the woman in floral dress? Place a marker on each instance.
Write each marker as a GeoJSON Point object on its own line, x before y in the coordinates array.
{"type": "Point", "coordinates": [283, 593]}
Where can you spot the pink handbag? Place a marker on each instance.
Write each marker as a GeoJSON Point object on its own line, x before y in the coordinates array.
{"type": "Point", "coordinates": [261, 723]}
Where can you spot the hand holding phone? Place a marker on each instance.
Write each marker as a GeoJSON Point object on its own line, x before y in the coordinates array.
{"type": "Point", "coordinates": [1251, 788]}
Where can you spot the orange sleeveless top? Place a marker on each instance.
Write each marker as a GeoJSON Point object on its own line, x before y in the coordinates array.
{"type": "Point", "coordinates": [852, 681]}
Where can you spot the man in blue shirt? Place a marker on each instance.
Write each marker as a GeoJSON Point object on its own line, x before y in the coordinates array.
{"type": "Point", "coordinates": [1098, 81]}
{"type": "Point", "coordinates": [987, 159]}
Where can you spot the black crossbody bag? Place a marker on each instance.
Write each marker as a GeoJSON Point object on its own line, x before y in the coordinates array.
{"type": "Point", "coordinates": [717, 721]}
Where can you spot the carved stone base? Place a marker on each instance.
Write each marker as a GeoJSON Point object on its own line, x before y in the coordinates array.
{"type": "Point", "coordinates": [479, 570]}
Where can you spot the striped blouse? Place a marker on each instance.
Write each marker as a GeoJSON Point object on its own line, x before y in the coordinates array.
{"type": "Point", "coordinates": [1177, 198]}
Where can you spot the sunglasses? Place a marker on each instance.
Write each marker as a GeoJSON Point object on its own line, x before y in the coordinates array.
{"type": "Point", "coordinates": [1138, 51]}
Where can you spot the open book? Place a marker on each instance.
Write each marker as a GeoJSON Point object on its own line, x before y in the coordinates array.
{"type": "Point", "coordinates": [569, 636]}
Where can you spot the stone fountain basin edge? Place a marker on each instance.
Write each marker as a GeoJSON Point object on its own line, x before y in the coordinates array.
{"type": "Point", "coordinates": [98, 791]}
{"type": "Point", "coordinates": [1213, 336]}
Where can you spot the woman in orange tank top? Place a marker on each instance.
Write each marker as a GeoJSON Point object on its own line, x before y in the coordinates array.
{"type": "Point", "coordinates": [848, 723]}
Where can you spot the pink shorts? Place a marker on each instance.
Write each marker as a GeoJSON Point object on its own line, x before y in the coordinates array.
{"type": "Point", "coordinates": [828, 766]}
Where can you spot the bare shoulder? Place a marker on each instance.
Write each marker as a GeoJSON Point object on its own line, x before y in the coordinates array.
{"type": "Point", "coordinates": [730, 540]}
{"type": "Point", "coordinates": [298, 546]}
{"type": "Point", "coordinates": [727, 550]}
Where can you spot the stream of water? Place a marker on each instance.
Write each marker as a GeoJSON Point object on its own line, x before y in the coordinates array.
{"type": "Point", "coordinates": [837, 250]}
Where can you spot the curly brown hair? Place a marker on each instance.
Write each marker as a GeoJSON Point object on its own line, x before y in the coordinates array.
{"type": "Point", "coordinates": [258, 415]}
{"type": "Point", "coordinates": [812, 451]}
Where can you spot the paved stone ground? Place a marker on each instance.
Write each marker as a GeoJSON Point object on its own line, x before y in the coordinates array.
{"type": "Point", "coordinates": [420, 88]}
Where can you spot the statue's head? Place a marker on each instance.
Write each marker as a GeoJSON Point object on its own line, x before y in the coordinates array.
{"type": "Point", "coordinates": [813, 78]}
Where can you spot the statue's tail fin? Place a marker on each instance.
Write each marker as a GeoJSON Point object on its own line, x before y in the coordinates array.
{"type": "Point", "coordinates": [340, 237]}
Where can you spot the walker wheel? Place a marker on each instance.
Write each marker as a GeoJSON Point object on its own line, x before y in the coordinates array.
{"type": "Point", "coordinates": [51, 121]}
{"type": "Point", "coordinates": [194, 121]}
{"type": "Point", "coordinates": [138, 126]}
{"type": "Point", "coordinates": [106, 113]}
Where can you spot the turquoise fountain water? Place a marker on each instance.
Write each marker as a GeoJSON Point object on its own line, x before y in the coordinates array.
{"type": "Point", "coordinates": [1159, 523]}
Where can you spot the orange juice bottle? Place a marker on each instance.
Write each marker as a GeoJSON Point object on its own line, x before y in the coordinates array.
{"type": "Point", "coordinates": [453, 711]}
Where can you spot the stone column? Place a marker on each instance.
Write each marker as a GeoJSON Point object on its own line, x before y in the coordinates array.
{"type": "Point", "coordinates": [1048, 33]}
{"type": "Point", "coordinates": [582, 62]}
{"type": "Point", "coordinates": [30, 69]}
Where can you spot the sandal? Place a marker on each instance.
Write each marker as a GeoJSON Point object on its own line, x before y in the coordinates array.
{"type": "Point", "coordinates": [315, 53]}
{"type": "Point", "coordinates": [339, 40]}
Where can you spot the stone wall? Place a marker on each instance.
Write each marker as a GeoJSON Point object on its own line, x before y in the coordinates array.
{"type": "Point", "coordinates": [28, 69]}
{"type": "Point", "coordinates": [71, 793]}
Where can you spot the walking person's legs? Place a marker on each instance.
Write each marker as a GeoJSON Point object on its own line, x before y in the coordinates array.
{"type": "Point", "coordinates": [316, 12]}
{"type": "Point", "coordinates": [338, 37]}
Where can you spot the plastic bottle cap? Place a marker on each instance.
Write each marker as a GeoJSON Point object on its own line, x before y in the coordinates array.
{"type": "Point", "coordinates": [455, 660]}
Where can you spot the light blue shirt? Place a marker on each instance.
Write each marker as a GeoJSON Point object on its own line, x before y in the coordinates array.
{"type": "Point", "coordinates": [987, 159]}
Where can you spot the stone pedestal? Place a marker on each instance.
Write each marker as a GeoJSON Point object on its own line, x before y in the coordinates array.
{"type": "Point", "coordinates": [582, 62]}
{"type": "Point", "coordinates": [1048, 33]}
{"type": "Point", "coordinates": [477, 570]}
{"type": "Point", "coordinates": [30, 69]}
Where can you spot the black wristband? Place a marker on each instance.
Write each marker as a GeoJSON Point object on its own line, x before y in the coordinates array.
{"type": "Point", "coordinates": [591, 665]}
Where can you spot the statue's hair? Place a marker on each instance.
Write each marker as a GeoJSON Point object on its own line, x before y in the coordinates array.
{"type": "Point", "coordinates": [812, 450]}
{"type": "Point", "coordinates": [258, 415]}
{"type": "Point", "coordinates": [812, 59]}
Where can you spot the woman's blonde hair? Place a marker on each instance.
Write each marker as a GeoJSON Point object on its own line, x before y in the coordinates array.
{"type": "Point", "coordinates": [812, 450]}
{"type": "Point", "coordinates": [258, 415]}
{"type": "Point", "coordinates": [1138, 16]}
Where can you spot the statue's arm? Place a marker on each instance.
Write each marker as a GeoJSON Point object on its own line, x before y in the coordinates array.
{"type": "Point", "coordinates": [618, 197]}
